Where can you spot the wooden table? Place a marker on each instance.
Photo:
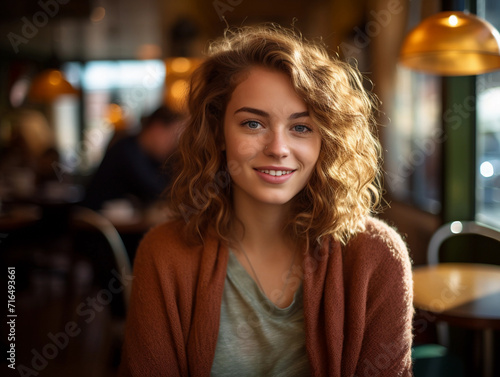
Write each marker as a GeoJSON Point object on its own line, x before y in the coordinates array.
{"type": "Point", "coordinates": [464, 295]}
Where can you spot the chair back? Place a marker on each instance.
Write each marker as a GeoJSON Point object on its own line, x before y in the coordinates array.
{"type": "Point", "coordinates": [62, 261]}
{"type": "Point", "coordinates": [455, 228]}
{"type": "Point", "coordinates": [87, 218]}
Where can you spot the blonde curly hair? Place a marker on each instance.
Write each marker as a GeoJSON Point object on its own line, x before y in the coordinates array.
{"type": "Point", "coordinates": [344, 186]}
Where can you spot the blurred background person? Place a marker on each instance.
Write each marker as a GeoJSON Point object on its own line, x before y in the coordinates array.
{"type": "Point", "coordinates": [27, 151]}
{"type": "Point", "coordinates": [135, 167]}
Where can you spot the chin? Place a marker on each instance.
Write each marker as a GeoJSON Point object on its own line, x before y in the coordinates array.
{"type": "Point", "coordinates": [275, 200]}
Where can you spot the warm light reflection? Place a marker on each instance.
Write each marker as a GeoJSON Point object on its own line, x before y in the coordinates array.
{"type": "Point", "coordinates": [180, 65]}
{"type": "Point", "coordinates": [453, 20]}
{"type": "Point", "coordinates": [55, 77]}
{"type": "Point", "coordinates": [179, 70]}
{"type": "Point", "coordinates": [148, 51]}
{"type": "Point", "coordinates": [114, 113]}
{"type": "Point", "coordinates": [454, 283]}
{"type": "Point", "coordinates": [98, 14]}
{"type": "Point", "coordinates": [179, 89]}
{"type": "Point", "coordinates": [115, 116]}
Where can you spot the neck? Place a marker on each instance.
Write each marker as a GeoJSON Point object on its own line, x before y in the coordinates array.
{"type": "Point", "coordinates": [262, 223]}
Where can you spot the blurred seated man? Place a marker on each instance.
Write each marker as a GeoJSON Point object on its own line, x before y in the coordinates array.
{"type": "Point", "coordinates": [134, 166]}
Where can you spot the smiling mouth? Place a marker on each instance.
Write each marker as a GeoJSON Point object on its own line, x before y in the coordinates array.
{"type": "Point", "coordinates": [276, 173]}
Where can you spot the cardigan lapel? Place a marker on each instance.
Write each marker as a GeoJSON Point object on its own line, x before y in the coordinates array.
{"type": "Point", "coordinates": [324, 308]}
{"type": "Point", "coordinates": [206, 311]}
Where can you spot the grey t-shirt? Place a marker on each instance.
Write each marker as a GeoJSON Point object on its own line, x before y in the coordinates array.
{"type": "Point", "coordinates": [257, 338]}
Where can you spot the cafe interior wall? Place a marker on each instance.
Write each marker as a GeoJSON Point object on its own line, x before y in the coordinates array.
{"type": "Point", "coordinates": [369, 31]}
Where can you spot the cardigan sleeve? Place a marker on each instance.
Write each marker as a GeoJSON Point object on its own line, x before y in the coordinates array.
{"type": "Point", "coordinates": [387, 337]}
{"type": "Point", "coordinates": [154, 344]}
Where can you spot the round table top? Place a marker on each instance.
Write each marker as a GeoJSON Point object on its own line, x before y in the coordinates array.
{"type": "Point", "coordinates": [464, 294]}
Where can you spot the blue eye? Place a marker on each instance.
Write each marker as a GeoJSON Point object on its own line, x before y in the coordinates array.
{"type": "Point", "coordinates": [301, 128]}
{"type": "Point", "coordinates": [252, 124]}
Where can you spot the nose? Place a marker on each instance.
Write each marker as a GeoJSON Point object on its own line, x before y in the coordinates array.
{"type": "Point", "coordinates": [276, 144]}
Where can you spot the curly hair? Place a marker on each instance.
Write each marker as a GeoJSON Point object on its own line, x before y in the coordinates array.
{"type": "Point", "coordinates": [344, 186]}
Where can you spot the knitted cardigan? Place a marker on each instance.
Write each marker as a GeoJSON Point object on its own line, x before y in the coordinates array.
{"type": "Point", "coordinates": [357, 305]}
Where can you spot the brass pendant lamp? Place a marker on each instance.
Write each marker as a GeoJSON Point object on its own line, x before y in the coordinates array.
{"type": "Point", "coordinates": [452, 43]}
{"type": "Point", "coordinates": [48, 85]}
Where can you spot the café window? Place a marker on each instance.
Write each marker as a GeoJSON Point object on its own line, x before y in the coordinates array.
{"type": "Point", "coordinates": [488, 132]}
{"type": "Point", "coordinates": [413, 141]}
{"type": "Point", "coordinates": [116, 95]}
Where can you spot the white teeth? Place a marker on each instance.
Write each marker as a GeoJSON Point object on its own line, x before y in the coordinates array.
{"type": "Point", "coordinates": [276, 173]}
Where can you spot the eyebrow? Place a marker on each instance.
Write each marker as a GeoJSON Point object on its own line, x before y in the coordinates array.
{"type": "Point", "coordinates": [265, 114]}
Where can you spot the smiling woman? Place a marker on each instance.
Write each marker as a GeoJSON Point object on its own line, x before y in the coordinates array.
{"type": "Point", "coordinates": [274, 265]}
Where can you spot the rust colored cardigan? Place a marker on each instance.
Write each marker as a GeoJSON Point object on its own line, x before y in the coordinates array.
{"type": "Point", "coordinates": [357, 306]}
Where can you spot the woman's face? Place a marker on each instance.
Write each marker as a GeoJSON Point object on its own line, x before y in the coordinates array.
{"type": "Point", "coordinates": [271, 143]}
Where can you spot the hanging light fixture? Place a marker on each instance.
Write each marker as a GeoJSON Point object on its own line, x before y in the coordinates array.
{"type": "Point", "coordinates": [452, 44]}
{"type": "Point", "coordinates": [48, 85]}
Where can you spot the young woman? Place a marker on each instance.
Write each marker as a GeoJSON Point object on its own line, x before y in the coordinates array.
{"type": "Point", "coordinates": [274, 266]}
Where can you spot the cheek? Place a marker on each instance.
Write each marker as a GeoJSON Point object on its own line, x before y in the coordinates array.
{"type": "Point", "coordinates": [246, 148]}
{"type": "Point", "coordinates": [234, 168]}
{"type": "Point", "coordinates": [310, 154]}
{"type": "Point", "coordinates": [234, 156]}
{"type": "Point", "coordinates": [240, 147]}
{"type": "Point", "coordinates": [237, 153]}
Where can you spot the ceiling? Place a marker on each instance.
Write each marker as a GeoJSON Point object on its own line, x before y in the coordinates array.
{"type": "Point", "coordinates": [127, 29]}
{"type": "Point", "coordinates": [83, 30]}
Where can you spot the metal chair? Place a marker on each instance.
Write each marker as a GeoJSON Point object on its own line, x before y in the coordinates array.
{"type": "Point", "coordinates": [88, 219]}
{"type": "Point", "coordinates": [94, 225]}
{"type": "Point", "coordinates": [65, 262]}
{"type": "Point", "coordinates": [454, 228]}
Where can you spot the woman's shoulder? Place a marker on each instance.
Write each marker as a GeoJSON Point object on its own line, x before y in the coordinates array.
{"type": "Point", "coordinates": [166, 241]}
{"type": "Point", "coordinates": [379, 242]}
{"type": "Point", "coordinates": [378, 259]}
{"type": "Point", "coordinates": [165, 231]}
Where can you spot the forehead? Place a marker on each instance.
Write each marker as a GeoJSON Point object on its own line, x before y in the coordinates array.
{"type": "Point", "coordinates": [268, 90]}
